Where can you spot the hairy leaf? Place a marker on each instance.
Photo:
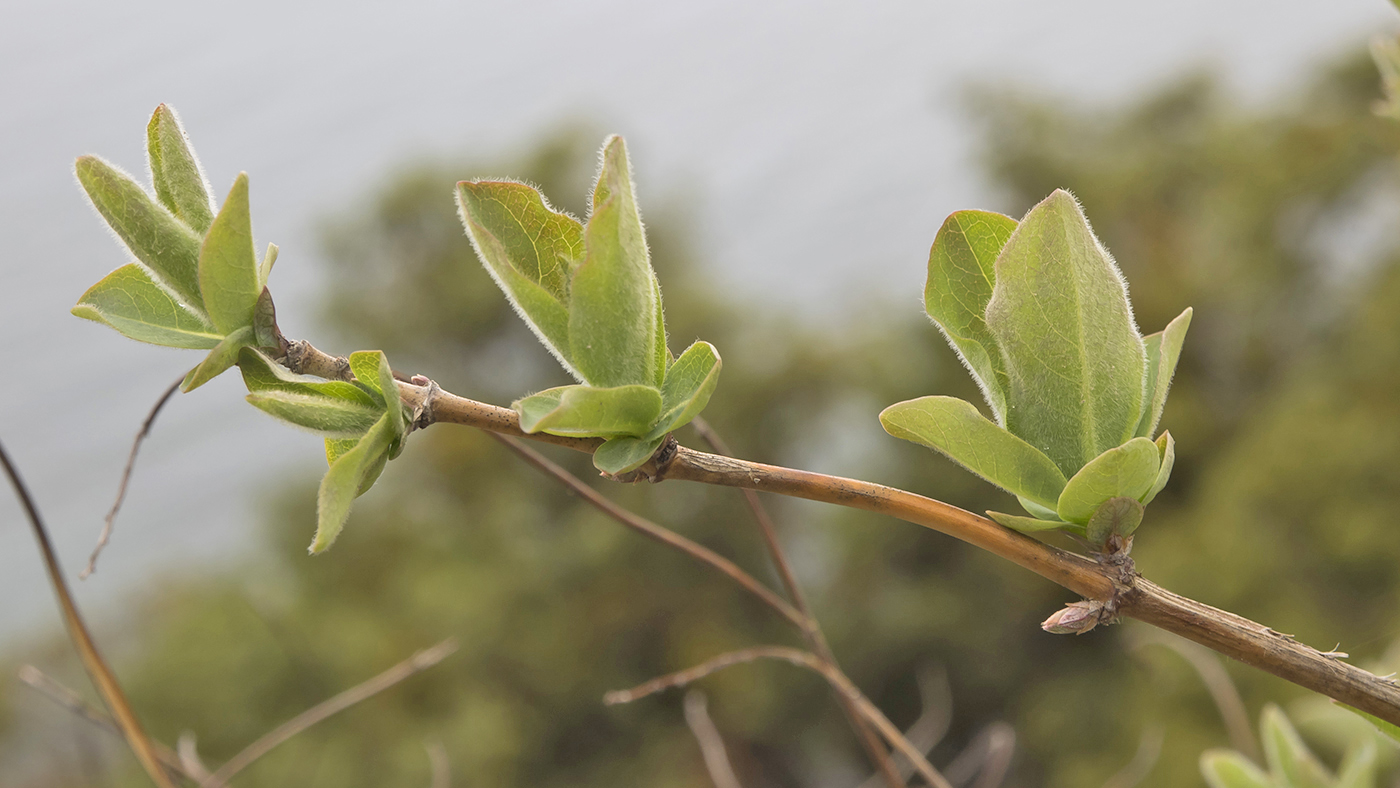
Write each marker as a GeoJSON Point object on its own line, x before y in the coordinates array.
{"type": "Point", "coordinates": [223, 356]}
{"type": "Point", "coordinates": [956, 429]}
{"type": "Point", "coordinates": [1074, 360]}
{"type": "Point", "coordinates": [1126, 471]}
{"type": "Point", "coordinates": [1229, 769]}
{"type": "Point", "coordinates": [261, 374]}
{"type": "Point", "coordinates": [130, 301]}
{"type": "Point", "coordinates": [1038, 511]}
{"type": "Point", "coordinates": [175, 172]}
{"type": "Point", "coordinates": [961, 274]}
{"type": "Point", "coordinates": [613, 310]}
{"type": "Point", "coordinates": [162, 243]}
{"type": "Point", "coordinates": [346, 480]}
{"type": "Point", "coordinates": [1163, 349]}
{"type": "Point", "coordinates": [1166, 452]}
{"type": "Point", "coordinates": [620, 455]}
{"type": "Point", "coordinates": [371, 368]}
{"type": "Point", "coordinates": [265, 330]}
{"type": "Point", "coordinates": [586, 411]}
{"type": "Point", "coordinates": [228, 266]}
{"type": "Point", "coordinates": [326, 415]}
{"type": "Point", "coordinates": [1119, 516]}
{"type": "Point", "coordinates": [689, 383]}
{"type": "Point", "coordinates": [1031, 525]}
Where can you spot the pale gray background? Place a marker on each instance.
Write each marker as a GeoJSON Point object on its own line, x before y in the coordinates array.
{"type": "Point", "coordinates": [826, 142]}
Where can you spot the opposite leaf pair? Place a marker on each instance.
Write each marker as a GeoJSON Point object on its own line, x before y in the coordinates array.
{"type": "Point", "coordinates": [1039, 313]}
{"type": "Point", "coordinates": [590, 295]}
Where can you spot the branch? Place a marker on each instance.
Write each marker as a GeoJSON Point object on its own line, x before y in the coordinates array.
{"type": "Point", "coordinates": [97, 669]}
{"type": "Point", "coordinates": [1234, 636]}
{"type": "Point", "coordinates": [711, 744]}
{"type": "Point", "coordinates": [802, 659]}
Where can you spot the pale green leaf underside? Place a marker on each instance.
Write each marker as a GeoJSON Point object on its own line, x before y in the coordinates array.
{"type": "Point", "coordinates": [371, 368]}
{"type": "Point", "coordinates": [265, 267]}
{"type": "Point", "coordinates": [1074, 360]}
{"type": "Point", "coordinates": [1358, 769]}
{"type": "Point", "coordinates": [956, 429]}
{"type": "Point", "coordinates": [228, 266]}
{"type": "Point", "coordinates": [961, 274]}
{"type": "Point", "coordinates": [1289, 759]}
{"type": "Point", "coordinates": [345, 480]}
{"type": "Point", "coordinates": [164, 244]}
{"type": "Point", "coordinates": [1163, 349]}
{"type": "Point", "coordinates": [1388, 728]}
{"type": "Point", "coordinates": [223, 356]}
{"type": "Point", "coordinates": [261, 374]}
{"type": "Point", "coordinates": [689, 383]}
{"type": "Point", "coordinates": [175, 171]}
{"type": "Point", "coordinates": [1229, 769]}
{"type": "Point", "coordinates": [1030, 525]}
{"type": "Point", "coordinates": [364, 365]}
{"type": "Point", "coordinates": [1038, 511]}
{"type": "Point", "coordinates": [1126, 471]}
{"type": "Point", "coordinates": [130, 301]}
{"type": "Point", "coordinates": [586, 411]}
{"type": "Point", "coordinates": [1166, 452]}
{"type": "Point", "coordinates": [619, 455]}
{"type": "Point", "coordinates": [326, 415]}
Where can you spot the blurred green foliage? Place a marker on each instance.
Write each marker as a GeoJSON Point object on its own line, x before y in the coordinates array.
{"type": "Point", "coordinates": [1281, 507]}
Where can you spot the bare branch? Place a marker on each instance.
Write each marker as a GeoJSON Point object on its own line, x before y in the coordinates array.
{"type": "Point", "coordinates": [187, 747]}
{"type": "Point", "coordinates": [111, 518]}
{"type": "Point", "coordinates": [97, 669]}
{"type": "Point", "coordinates": [935, 715]}
{"type": "Point", "coordinates": [1222, 689]}
{"type": "Point", "coordinates": [802, 659]}
{"type": "Point", "coordinates": [417, 663]}
{"type": "Point", "coordinates": [987, 757]}
{"type": "Point", "coordinates": [437, 761]}
{"type": "Point", "coordinates": [711, 743]}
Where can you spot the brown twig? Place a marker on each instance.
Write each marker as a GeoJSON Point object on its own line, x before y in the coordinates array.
{"type": "Point", "coordinates": [111, 519]}
{"type": "Point", "coordinates": [987, 757]}
{"type": "Point", "coordinates": [1229, 634]}
{"type": "Point", "coordinates": [417, 663]}
{"type": "Point", "coordinates": [935, 716]}
{"type": "Point", "coordinates": [1222, 689]}
{"type": "Point", "coordinates": [804, 659]}
{"type": "Point", "coordinates": [697, 717]}
{"type": "Point", "coordinates": [440, 766]}
{"type": "Point", "coordinates": [97, 669]}
{"type": "Point", "coordinates": [816, 639]}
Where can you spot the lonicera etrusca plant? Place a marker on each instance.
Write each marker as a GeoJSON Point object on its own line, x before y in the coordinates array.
{"type": "Point", "coordinates": [589, 293]}
{"type": "Point", "coordinates": [1040, 316]}
{"type": "Point", "coordinates": [1291, 764]}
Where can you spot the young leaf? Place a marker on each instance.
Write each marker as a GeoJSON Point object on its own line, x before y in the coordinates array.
{"type": "Point", "coordinates": [1126, 471]}
{"type": "Point", "coordinates": [612, 308]}
{"type": "Point", "coordinates": [1229, 769]}
{"type": "Point", "coordinates": [1030, 525]}
{"type": "Point", "coordinates": [961, 273]}
{"type": "Point", "coordinates": [130, 301]}
{"type": "Point", "coordinates": [345, 480]}
{"type": "Point", "coordinates": [620, 455]}
{"type": "Point", "coordinates": [1163, 349]}
{"type": "Point", "coordinates": [956, 429]}
{"type": "Point", "coordinates": [223, 356]}
{"type": "Point", "coordinates": [265, 331]}
{"type": "Point", "coordinates": [262, 375]}
{"type": "Point", "coordinates": [663, 353]}
{"type": "Point", "coordinates": [1119, 516]}
{"type": "Point", "coordinates": [265, 267]}
{"type": "Point", "coordinates": [687, 388]}
{"type": "Point", "coordinates": [175, 172]}
{"type": "Point", "coordinates": [371, 368]}
{"type": "Point", "coordinates": [326, 415]}
{"type": "Point", "coordinates": [1038, 511]}
{"type": "Point", "coordinates": [1074, 360]}
{"type": "Point", "coordinates": [228, 267]}
{"type": "Point", "coordinates": [1166, 450]}
{"type": "Point", "coordinates": [586, 411]}
{"type": "Point", "coordinates": [1290, 760]}
{"type": "Point", "coordinates": [162, 243]}
{"type": "Point", "coordinates": [531, 251]}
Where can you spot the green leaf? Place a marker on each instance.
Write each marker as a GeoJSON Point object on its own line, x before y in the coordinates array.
{"type": "Point", "coordinates": [620, 455]}
{"type": "Point", "coordinates": [133, 303]}
{"type": "Point", "coordinates": [168, 248]}
{"type": "Point", "coordinates": [612, 310]}
{"type": "Point", "coordinates": [663, 353]}
{"type": "Point", "coordinates": [1031, 525]}
{"type": "Point", "coordinates": [1120, 516]}
{"type": "Point", "coordinates": [175, 172]}
{"type": "Point", "coordinates": [265, 331]}
{"type": "Point", "coordinates": [530, 250]}
{"type": "Point", "coordinates": [956, 429]}
{"type": "Point", "coordinates": [1166, 451]}
{"type": "Point", "coordinates": [228, 267]}
{"type": "Point", "coordinates": [1358, 769]}
{"type": "Point", "coordinates": [328, 416]}
{"type": "Point", "coordinates": [1074, 360]}
{"type": "Point", "coordinates": [1037, 511]}
{"type": "Point", "coordinates": [223, 356]}
{"type": "Point", "coordinates": [346, 480]}
{"type": "Point", "coordinates": [1388, 728]}
{"type": "Point", "coordinates": [689, 383]}
{"type": "Point", "coordinates": [1290, 760]}
{"type": "Point", "coordinates": [1163, 349]}
{"type": "Point", "coordinates": [1126, 471]}
{"type": "Point", "coordinates": [961, 273]}
{"type": "Point", "coordinates": [585, 411]}
{"type": "Point", "coordinates": [261, 375]}
{"type": "Point", "coordinates": [265, 267]}
{"type": "Point", "coordinates": [1229, 769]}
{"type": "Point", "coordinates": [371, 368]}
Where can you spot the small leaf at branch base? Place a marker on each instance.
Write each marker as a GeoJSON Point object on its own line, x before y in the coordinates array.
{"type": "Point", "coordinates": [1229, 769]}
{"type": "Point", "coordinates": [620, 455]}
{"type": "Point", "coordinates": [262, 374]}
{"type": "Point", "coordinates": [130, 301]}
{"type": "Point", "coordinates": [371, 368]}
{"type": "Point", "coordinates": [349, 476]}
{"type": "Point", "coordinates": [265, 331]}
{"type": "Point", "coordinates": [223, 356]}
{"type": "Point", "coordinates": [228, 266]}
{"type": "Point", "coordinates": [164, 244]}
{"type": "Point", "coordinates": [1166, 450]}
{"type": "Point", "coordinates": [265, 267]}
{"type": "Point", "coordinates": [1036, 510]}
{"type": "Point", "coordinates": [686, 391]}
{"type": "Point", "coordinates": [585, 411]}
{"type": "Point", "coordinates": [1120, 516]}
{"type": "Point", "coordinates": [1031, 525]}
{"type": "Point", "coordinates": [178, 178]}
{"type": "Point", "coordinates": [956, 429]}
{"type": "Point", "coordinates": [1163, 349]}
{"type": "Point", "coordinates": [1126, 471]}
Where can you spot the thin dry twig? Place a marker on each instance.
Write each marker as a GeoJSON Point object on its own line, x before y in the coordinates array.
{"type": "Point", "coordinates": [441, 767]}
{"type": "Point", "coordinates": [935, 715]}
{"type": "Point", "coordinates": [417, 663]}
{"type": "Point", "coordinates": [1148, 751]}
{"type": "Point", "coordinates": [987, 757]}
{"type": "Point", "coordinates": [1222, 689]}
{"type": "Point", "coordinates": [57, 692]}
{"type": "Point", "coordinates": [111, 519]}
{"type": "Point", "coordinates": [803, 659]}
{"type": "Point", "coordinates": [102, 676]}
{"type": "Point", "coordinates": [187, 747]}
{"type": "Point", "coordinates": [711, 743]}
